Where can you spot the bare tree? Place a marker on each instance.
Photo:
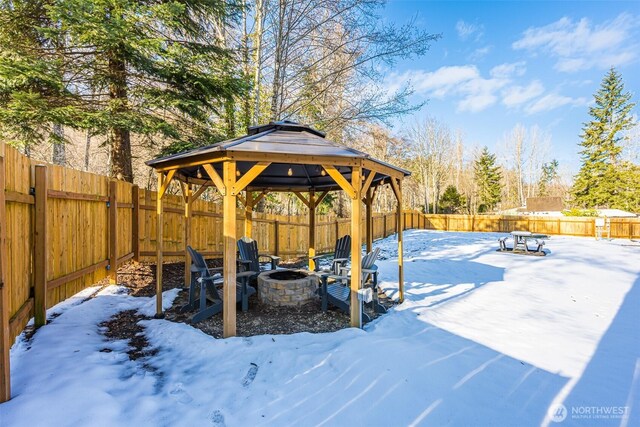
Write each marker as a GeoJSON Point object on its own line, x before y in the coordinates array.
{"type": "Point", "coordinates": [433, 156]}
{"type": "Point", "coordinates": [57, 138]}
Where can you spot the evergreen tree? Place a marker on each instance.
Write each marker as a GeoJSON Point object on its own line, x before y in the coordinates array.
{"type": "Point", "coordinates": [35, 101]}
{"type": "Point", "coordinates": [153, 68]}
{"type": "Point", "coordinates": [548, 176]}
{"type": "Point", "coordinates": [599, 181]}
{"type": "Point", "coordinates": [452, 201]}
{"type": "Point", "coordinates": [487, 178]}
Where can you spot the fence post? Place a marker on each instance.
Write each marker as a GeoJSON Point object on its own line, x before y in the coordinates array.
{"type": "Point", "coordinates": [113, 232]}
{"type": "Point", "coordinates": [337, 225]}
{"type": "Point", "coordinates": [276, 225]}
{"type": "Point", "coordinates": [384, 233]}
{"type": "Point", "coordinates": [135, 223]}
{"type": "Point", "coordinates": [5, 343]}
{"type": "Point", "coordinates": [40, 250]}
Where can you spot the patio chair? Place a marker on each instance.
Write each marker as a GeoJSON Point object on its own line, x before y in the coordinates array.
{"type": "Point", "coordinates": [207, 283]}
{"type": "Point", "coordinates": [340, 256]}
{"type": "Point", "coordinates": [338, 293]}
{"type": "Point", "coordinates": [250, 258]}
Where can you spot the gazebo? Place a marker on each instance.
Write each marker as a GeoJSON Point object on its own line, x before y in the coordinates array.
{"type": "Point", "coordinates": [286, 157]}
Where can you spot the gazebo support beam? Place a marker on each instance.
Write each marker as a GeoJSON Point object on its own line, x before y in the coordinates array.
{"type": "Point", "coordinates": [368, 201]}
{"type": "Point", "coordinates": [229, 251]}
{"type": "Point", "coordinates": [356, 245]}
{"type": "Point", "coordinates": [248, 176]}
{"type": "Point", "coordinates": [312, 229]}
{"type": "Point", "coordinates": [303, 199]}
{"type": "Point", "coordinates": [397, 191]}
{"type": "Point", "coordinates": [248, 214]}
{"type": "Point", "coordinates": [163, 184]}
{"type": "Point", "coordinates": [321, 197]}
{"type": "Point", "coordinates": [199, 192]}
{"type": "Point", "coordinates": [187, 194]}
{"type": "Point", "coordinates": [215, 178]}
{"type": "Point", "coordinates": [342, 181]}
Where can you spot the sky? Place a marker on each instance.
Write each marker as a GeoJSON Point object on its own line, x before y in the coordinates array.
{"type": "Point", "coordinates": [503, 63]}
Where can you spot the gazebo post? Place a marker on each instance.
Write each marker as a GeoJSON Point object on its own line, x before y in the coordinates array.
{"type": "Point", "coordinates": [188, 199]}
{"type": "Point", "coordinates": [312, 229]}
{"type": "Point", "coordinates": [229, 250]}
{"type": "Point", "coordinates": [163, 183]}
{"type": "Point", "coordinates": [248, 214]}
{"type": "Point", "coordinates": [397, 190]}
{"type": "Point", "coordinates": [356, 245]}
{"type": "Point", "coordinates": [369, 219]}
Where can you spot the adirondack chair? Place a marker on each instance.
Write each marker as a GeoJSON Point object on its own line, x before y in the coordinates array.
{"type": "Point", "coordinates": [250, 258]}
{"type": "Point", "coordinates": [340, 256]}
{"type": "Point", "coordinates": [338, 293]}
{"type": "Point", "coordinates": [206, 283]}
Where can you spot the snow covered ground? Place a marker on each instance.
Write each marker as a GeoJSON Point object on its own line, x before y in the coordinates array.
{"type": "Point", "coordinates": [483, 338]}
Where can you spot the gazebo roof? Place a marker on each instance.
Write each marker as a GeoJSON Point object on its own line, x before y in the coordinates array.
{"type": "Point", "coordinates": [296, 153]}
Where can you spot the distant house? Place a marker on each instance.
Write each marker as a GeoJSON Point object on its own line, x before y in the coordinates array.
{"type": "Point", "coordinates": [544, 204]}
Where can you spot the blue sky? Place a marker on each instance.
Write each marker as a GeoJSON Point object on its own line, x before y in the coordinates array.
{"type": "Point", "coordinates": [507, 62]}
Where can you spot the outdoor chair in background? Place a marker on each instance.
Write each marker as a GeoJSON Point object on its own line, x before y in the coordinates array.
{"type": "Point", "coordinates": [338, 293]}
{"type": "Point", "coordinates": [340, 256]}
{"type": "Point", "coordinates": [205, 281]}
{"type": "Point", "coordinates": [603, 226]}
{"type": "Point", "coordinates": [250, 258]}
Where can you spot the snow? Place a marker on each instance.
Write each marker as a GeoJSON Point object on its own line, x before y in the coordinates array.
{"type": "Point", "coordinates": [483, 338]}
{"type": "Point", "coordinates": [612, 213]}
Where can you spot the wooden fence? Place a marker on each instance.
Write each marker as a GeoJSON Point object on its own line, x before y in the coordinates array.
{"type": "Point", "coordinates": [620, 228]}
{"type": "Point", "coordinates": [66, 230]}
{"type": "Point", "coordinates": [62, 230]}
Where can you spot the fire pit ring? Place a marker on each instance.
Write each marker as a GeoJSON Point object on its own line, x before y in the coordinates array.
{"type": "Point", "coordinates": [292, 288]}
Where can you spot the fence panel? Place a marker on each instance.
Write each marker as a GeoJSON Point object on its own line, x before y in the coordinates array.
{"type": "Point", "coordinates": [19, 238]}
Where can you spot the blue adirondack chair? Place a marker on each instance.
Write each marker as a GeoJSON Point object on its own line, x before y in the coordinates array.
{"type": "Point", "coordinates": [206, 281]}
{"type": "Point", "coordinates": [338, 293]}
{"type": "Point", "coordinates": [340, 256]}
{"type": "Point", "coordinates": [250, 258]}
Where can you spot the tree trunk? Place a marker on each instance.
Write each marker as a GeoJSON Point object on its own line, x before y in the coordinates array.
{"type": "Point", "coordinates": [278, 62]}
{"type": "Point", "coordinates": [59, 150]}
{"type": "Point", "coordinates": [259, 19]}
{"type": "Point", "coordinates": [229, 108]}
{"type": "Point", "coordinates": [119, 138]}
{"type": "Point", "coordinates": [87, 150]}
{"type": "Point", "coordinates": [246, 104]}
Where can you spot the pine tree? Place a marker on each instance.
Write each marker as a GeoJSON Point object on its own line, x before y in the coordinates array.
{"type": "Point", "coordinates": [548, 176]}
{"type": "Point", "coordinates": [487, 178]}
{"type": "Point", "coordinates": [452, 201]}
{"type": "Point", "coordinates": [35, 101]}
{"type": "Point", "coordinates": [158, 69]}
{"type": "Point", "coordinates": [598, 183]}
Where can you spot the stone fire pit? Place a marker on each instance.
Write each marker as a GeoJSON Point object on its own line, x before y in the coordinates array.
{"type": "Point", "coordinates": [287, 287]}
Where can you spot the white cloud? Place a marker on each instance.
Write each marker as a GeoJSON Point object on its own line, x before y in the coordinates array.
{"type": "Point", "coordinates": [517, 95]}
{"type": "Point", "coordinates": [466, 30]}
{"type": "Point", "coordinates": [462, 82]}
{"type": "Point", "coordinates": [444, 80]}
{"type": "Point", "coordinates": [582, 45]}
{"type": "Point", "coordinates": [507, 70]}
{"type": "Point", "coordinates": [553, 101]}
{"type": "Point", "coordinates": [480, 53]}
